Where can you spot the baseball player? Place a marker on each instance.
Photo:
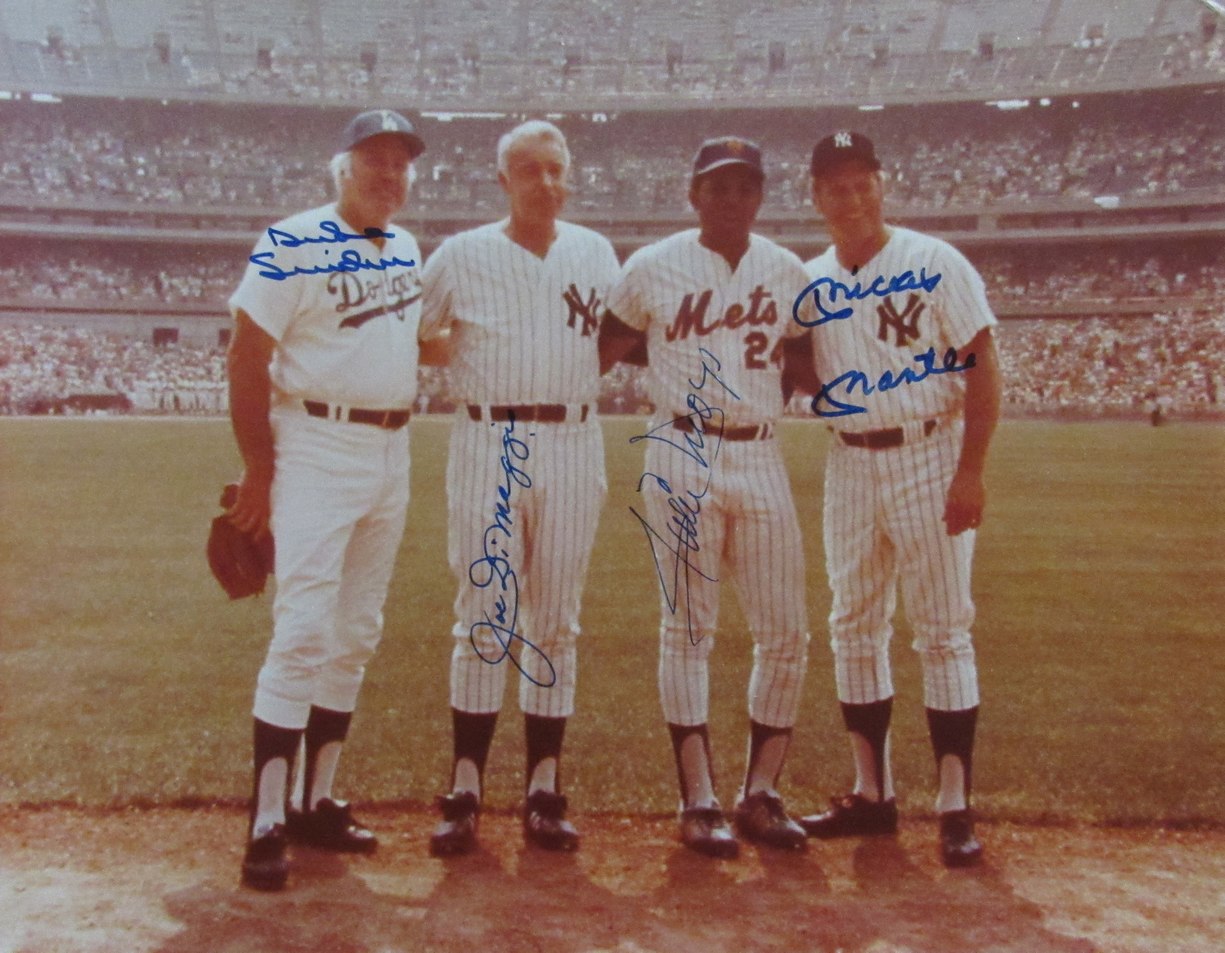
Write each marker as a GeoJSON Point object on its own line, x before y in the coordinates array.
{"type": "Point", "coordinates": [712, 306]}
{"type": "Point", "coordinates": [518, 300]}
{"type": "Point", "coordinates": [911, 387]}
{"type": "Point", "coordinates": [322, 369]}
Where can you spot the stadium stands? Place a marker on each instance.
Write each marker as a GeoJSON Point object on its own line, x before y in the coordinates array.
{"type": "Point", "coordinates": [1078, 367]}
{"type": "Point", "coordinates": [197, 121]}
{"type": "Point", "coordinates": [969, 157]}
{"type": "Point", "coordinates": [543, 52]}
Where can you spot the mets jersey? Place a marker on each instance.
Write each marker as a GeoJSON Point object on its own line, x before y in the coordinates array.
{"type": "Point", "coordinates": [688, 300]}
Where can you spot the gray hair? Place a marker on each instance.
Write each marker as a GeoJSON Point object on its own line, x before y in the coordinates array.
{"type": "Point", "coordinates": [341, 167]}
{"type": "Point", "coordinates": [532, 129]}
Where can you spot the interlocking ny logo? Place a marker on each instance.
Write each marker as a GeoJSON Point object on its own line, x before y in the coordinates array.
{"type": "Point", "coordinates": [389, 122]}
{"type": "Point", "coordinates": [586, 309]}
{"type": "Point", "coordinates": [842, 140]}
{"type": "Point", "coordinates": [905, 324]}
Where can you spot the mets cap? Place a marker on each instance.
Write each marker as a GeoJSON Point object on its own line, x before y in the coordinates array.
{"type": "Point", "coordinates": [727, 150]}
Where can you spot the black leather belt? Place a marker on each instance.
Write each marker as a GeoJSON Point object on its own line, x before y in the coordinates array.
{"type": "Point", "coordinates": [528, 413]}
{"type": "Point", "coordinates": [882, 439]}
{"type": "Point", "coordinates": [761, 432]}
{"type": "Point", "coordinates": [387, 419]}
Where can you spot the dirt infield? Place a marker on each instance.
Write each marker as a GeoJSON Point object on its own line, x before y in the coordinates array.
{"type": "Point", "coordinates": [166, 880]}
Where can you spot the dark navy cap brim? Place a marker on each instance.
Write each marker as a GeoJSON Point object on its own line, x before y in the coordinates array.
{"type": "Point", "coordinates": [720, 163]}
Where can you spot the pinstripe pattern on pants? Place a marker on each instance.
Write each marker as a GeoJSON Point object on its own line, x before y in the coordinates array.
{"type": "Point", "coordinates": [883, 525]}
{"type": "Point", "coordinates": [544, 541]}
{"type": "Point", "coordinates": [747, 525]}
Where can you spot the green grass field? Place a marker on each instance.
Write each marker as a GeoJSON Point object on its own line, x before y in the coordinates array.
{"type": "Point", "coordinates": [126, 676]}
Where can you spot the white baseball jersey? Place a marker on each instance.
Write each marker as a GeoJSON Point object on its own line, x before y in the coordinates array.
{"type": "Point", "coordinates": [732, 498]}
{"type": "Point", "coordinates": [345, 337]}
{"type": "Point", "coordinates": [884, 334]}
{"type": "Point", "coordinates": [883, 507]}
{"type": "Point", "coordinates": [523, 496]}
{"type": "Point", "coordinates": [524, 327]}
{"type": "Point", "coordinates": [340, 492]}
{"type": "Point", "coordinates": [686, 297]}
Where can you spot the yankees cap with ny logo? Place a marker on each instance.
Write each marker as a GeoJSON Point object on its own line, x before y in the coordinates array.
{"type": "Point", "coordinates": [843, 146]}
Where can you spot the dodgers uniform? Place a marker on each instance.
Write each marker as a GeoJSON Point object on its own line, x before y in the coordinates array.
{"type": "Point", "coordinates": [346, 346]}
{"type": "Point", "coordinates": [714, 471]}
{"type": "Point", "coordinates": [525, 475]}
{"type": "Point", "coordinates": [884, 505]}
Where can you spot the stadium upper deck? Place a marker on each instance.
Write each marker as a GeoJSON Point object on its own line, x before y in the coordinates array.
{"type": "Point", "coordinates": [580, 54]}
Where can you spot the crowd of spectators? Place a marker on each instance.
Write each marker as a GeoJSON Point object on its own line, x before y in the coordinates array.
{"type": "Point", "coordinates": [1096, 365]}
{"type": "Point", "coordinates": [142, 155]}
{"type": "Point", "coordinates": [1019, 279]}
{"type": "Point", "coordinates": [686, 50]}
{"type": "Point", "coordinates": [1081, 366]}
{"type": "Point", "coordinates": [204, 157]}
{"type": "Point", "coordinates": [1025, 277]}
{"type": "Point", "coordinates": [46, 369]}
{"type": "Point", "coordinates": [106, 275]}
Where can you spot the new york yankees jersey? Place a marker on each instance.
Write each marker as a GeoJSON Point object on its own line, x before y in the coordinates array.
{"type": "Point", "coordinates": [346, 337]}
{"type": "Point", "coordinates": [686, 297]}
{"type": "Point", "coordinates": [891, 332]}
{"type": "Point", "coordinates": [525, 328]}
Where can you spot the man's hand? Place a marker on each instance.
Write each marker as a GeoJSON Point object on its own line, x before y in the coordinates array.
{"type": "Point", "coordinates": [963, 507]}
{"type": "Point", "coordinates": [967, 497]}
{"type": "Point", "coordinates": [253, 507]}
{"type": "Point", "coordinates": [435, 351]}
{"type": "Point", "coordinates": [619, 342]}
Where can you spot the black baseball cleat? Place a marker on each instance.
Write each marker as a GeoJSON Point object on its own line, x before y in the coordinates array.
{"type": "Point", "coordinates": [545, 824]}
{"type": "Point", "coordinates": [264, 866]}
{"type": "Point", "coordinates": [853, 815]}
{"type": "Point", "coordinates": [705, 830]}
{"type": "Point", "coordinates": [958, 845]}
{"type": "Point", "coordinates": [456, 834]}
{"type": "Point", "coordinates": [762, 819]}
{"type": "Point", "coordinates": [330, 826]}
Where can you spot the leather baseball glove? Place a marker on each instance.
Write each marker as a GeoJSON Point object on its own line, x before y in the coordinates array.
{"type": "Point", "coordinates": [238, 561]}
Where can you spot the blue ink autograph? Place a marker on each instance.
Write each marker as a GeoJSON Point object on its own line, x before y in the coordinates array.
{"type": "Point", "coordinates": [495, 566]}
{"type": "Point", "coordinates": [878, 287]}
{"type": "Point", "coordinates": [350, 260]}
{"type": "Point", "coordinates": [680, 538]}
{"type": "Point", "coordinates": [332, 235]}
{"type": "Point", "coordinates": [887, 381]}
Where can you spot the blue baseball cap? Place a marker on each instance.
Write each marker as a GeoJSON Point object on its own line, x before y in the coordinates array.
{"type": "Point", "coordinates": [727, 150]}
{"type": "Point", "coordinates": [377, 122]}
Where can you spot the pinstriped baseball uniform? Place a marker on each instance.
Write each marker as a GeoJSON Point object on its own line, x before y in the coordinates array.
{"type": "Point", "coordinates": [524, 495]}
{"type": "Point", "coordinates": [344, 340]}
{"type": "Point", "coordinates": [714, 337]}
{"type": "Point", "coordinates": [883, 507]}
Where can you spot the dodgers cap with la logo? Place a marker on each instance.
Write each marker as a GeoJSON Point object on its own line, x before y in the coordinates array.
{"type": "Point", "coordinates": [727, 150]}
{"type": "Point", "coordinates": [843, 146]}
{"type": "Point", "coordinates": [377, 122]}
